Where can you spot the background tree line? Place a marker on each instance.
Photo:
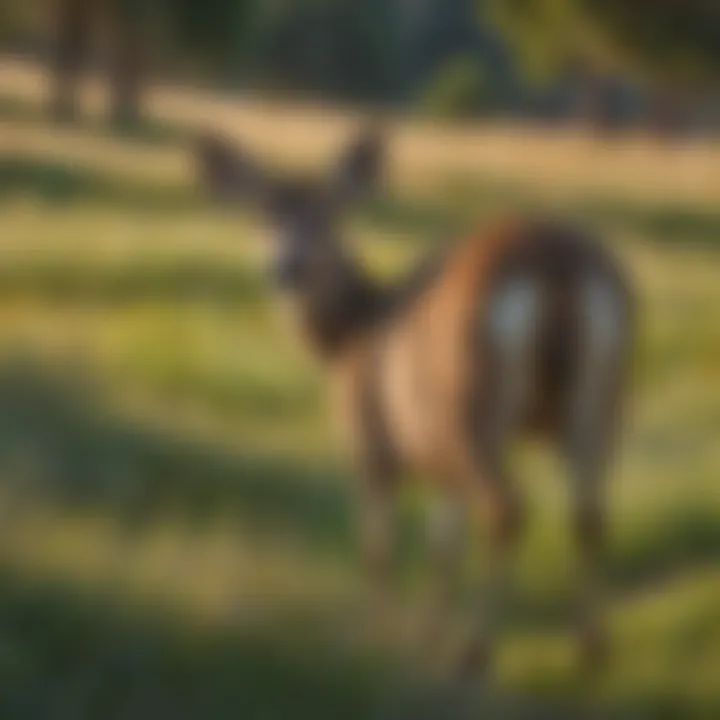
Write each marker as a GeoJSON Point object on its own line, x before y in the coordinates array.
{"type": "Point", "coordinates": [610, 61]}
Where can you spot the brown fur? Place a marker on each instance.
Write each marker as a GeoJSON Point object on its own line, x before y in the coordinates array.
{"type": "Point", "coordinates": [424, 379]}
{"type": "Point", "coordinates": [418, 386]}
{"type": "Point", "coordinates": [423, 362]}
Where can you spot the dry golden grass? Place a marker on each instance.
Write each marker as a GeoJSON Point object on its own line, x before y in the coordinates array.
{"type": "Point", "coordinates": [553, 161]}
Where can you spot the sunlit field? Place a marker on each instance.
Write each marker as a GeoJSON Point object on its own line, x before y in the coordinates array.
{"type": "Point", "coordinates": [177, 532]}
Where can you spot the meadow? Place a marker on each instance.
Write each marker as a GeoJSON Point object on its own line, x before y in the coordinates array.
{"type": "Point", "coordinates": [177, 531]}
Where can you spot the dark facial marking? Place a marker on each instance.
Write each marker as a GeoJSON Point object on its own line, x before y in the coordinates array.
{"type": "Point", "coordinates": [299, 214]}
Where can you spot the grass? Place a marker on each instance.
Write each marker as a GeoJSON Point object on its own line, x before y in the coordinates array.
{"type": "Point", "coordinates": [177, 534]}
{"type": "Point", "coordinates": [556, 161]}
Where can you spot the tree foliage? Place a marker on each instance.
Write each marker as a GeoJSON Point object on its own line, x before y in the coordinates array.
{"type": "Point", "coordinates": [332, 46]}
{"type": "Point", "coordinates": [459, 89]}
{"type": "Point", "coordinates": [406, 51]}
{"type": "Point", "coordinates": [675, 41]}
{"type": "Point", "coordinates": [376, 50]}
{"type": "Point", "coordinates": [664, 41]}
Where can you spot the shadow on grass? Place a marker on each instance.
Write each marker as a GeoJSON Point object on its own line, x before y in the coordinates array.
{"type": "Point", "coordinates": [643, 558]}
{"type": "Point", "coordinates": [668, 226]}
{"type": "Point", "coordinates": [686, 538]}
{"type": "Point", "coordinates": [147, 130]}
{"type": "Point", "coordinates": [458, 203]}
{"type": "Point", "coordinates": [65, 183]}
{"type": "Point", "coordinates": [67, 657]}
{"type": "Point", "coordinates": [176, 281]}
{"type": "Point", "coordinates": [427, 221]}
{"type": "Point", "coordinates": [60, 441]}
{"type": "Point", "coordinates": [455, 206]}
{"type": "Point", "coordinates": [71, 656]}
{"type": "Point", "coordinates": [62, 183]}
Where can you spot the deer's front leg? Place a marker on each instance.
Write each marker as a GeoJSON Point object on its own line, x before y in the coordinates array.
{"type": "Point", "coordinates": [378, 521]}
{"type": "Point", "coordinates": [504, 514]}
{"type": "Point", "coordinates": [377, 472]}
{"type": "Point", "coordinates": [447, 534]}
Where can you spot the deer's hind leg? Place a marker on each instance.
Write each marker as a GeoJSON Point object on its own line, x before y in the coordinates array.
{"type": "Point", "coordinates": [498, 410]}
{"type": "Point", "coordinates": [595, 400]}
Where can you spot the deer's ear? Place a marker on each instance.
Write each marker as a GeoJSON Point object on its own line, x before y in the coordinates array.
{"type": "Point", "coordinates": [360, 166]}
{"type": "Point", "coordinates": [225, 171]}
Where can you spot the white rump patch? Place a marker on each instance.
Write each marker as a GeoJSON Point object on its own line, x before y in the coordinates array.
{"type": "Point", "coordinates": [601, 336]}
{"type": "Point", "coordinates": [514, 312]}
{"type": "Point", "coordinates": [602, 318]}
{"type": "Point", "coordinates": [513, 326]}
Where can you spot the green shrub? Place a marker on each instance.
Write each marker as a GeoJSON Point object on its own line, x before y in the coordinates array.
{"type": "Point", "coordinates": [459, 89]}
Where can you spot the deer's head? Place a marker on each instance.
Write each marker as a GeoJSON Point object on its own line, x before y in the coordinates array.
{"type": "Point", "coordinates": [302, 215]}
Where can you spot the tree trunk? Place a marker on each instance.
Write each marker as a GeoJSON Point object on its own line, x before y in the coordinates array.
{"type": "Point", "coordinates": [127, 61]}
{"type": "Point", "coordinates": [667, 121]}
{"type": "Point", "coordinates": [72, 27]}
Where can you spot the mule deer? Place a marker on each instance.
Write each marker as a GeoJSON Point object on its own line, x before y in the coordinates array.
{"type": "Point", "coordinates": [521, 329]}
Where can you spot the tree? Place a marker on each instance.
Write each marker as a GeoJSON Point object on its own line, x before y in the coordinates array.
{"type": "Point", "coordinates": [674, 46]}
{"type": "Point", "coordinates": [128, 28]}
{"type": "Point", "coordinates": [668, 45]}
{"type": "Point", "coordinates": [660, 40]}
{"type": "Point", "coordinates": [72, 24]}
{"type": "Point", "coordinates": [76, 24]}
{"type": "Point", "coordinates": [666, 41]}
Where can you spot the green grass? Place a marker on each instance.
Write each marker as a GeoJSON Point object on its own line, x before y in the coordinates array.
{"type": "Point", "coordinates": [177, 536]}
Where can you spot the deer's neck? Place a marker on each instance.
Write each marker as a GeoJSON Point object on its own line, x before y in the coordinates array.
{"type": "Point", "coordinates": [338, 311]}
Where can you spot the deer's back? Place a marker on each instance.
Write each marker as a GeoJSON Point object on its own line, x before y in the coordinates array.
{"type": "Point", "coordinates": [415, 385]}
